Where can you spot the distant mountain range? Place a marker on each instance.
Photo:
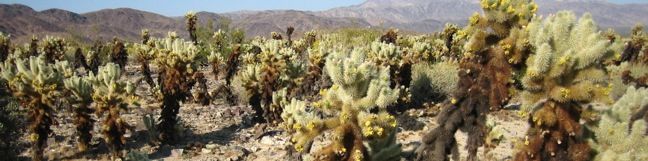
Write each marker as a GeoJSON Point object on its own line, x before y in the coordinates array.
{"type": "Point", "coordinates": [413, 15]}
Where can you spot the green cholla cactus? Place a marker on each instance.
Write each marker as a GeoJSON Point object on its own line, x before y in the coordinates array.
{"type": "Point", "coordinates": [177, 61]}
{"type": "Point", "coordinates": [4, 47]}
{"type": "Point", "coordinates": [562, 74]}
{"type": "Point", "coordinates": [149, 123]}
{"type": "Point", "coordinates": [433, 82]}
{"type": "Point", "coordinates": [111, 97]}
{"type": "Point", "coordinates": [80, 91]}
{"type": "Point", "coordinates": [359, 88]}
{"type": "Point", "coordinates": [54, 48]}
{"type": "Point", "coordinates": [37, 85]}
{"type": "Point", "coordinates": [618, 136]}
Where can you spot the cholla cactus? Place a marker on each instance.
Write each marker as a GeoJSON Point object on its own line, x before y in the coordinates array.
{"type": "Point", "coordinates": [276, 36]}
{"type": "Point", "coordinates": [314, 72]}
{"type": "Point", "coordinates": [625, 75]}
{"type": "Point", "coordinates": [355, 107]}
{"type": "Point", "coordinates": [145, 36]}
{"type": "Point", "coordinates": [400, 68]}
{"type": "Point", "coordinates": [176, 59]}
{"type": "Point", "coordinates": [144, 54]}
{"type": "Point", "coordinates": [278, 68]}
{"type": "Point", "coordinates": [390, 36]}
{"type": "Point", "coordinates": [201, 96]}
{"type": "Point", "coordinates": [289, 32]}
{"type": "Point", "coordinates": [33, 47]}
{"type": "Point", "coordinates": [191, 20]}
{"type": "Point", "coordinates": [80, 60]}
{"type": "Point", "coordinates": [54, 48]}
{"type": "Point", "coordinates": [37, 85]}
{"type": "Point", "coordinates": [618, 136]}
{"type": "Point", "coordinates": [562, 74]}
{"type": "Point", "coordinates": [94, 56]}
{"type": "Point", "coordinates": [215, 59]}
{"type": "Point", "coordinates": [111, 97]}
{"type": "Point", "coordinates": [118, 54]}
{"type": "Point", "coordinates": [496, 43]}
{"type": "Point", "coordinates": [80, 91]}
{"type": "Point", "coordinates": [634, 47]}
{"type": "Point", "coordinates": [4, 46]}
{"type": "Point", "coordinates": [433, 82]}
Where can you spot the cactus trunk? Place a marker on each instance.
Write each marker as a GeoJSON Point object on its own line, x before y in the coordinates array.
{"type": "Point", "coordinates": [114, 130]}
{"type": "Point", "coordinates": [84, 125]}
{"type": "Point", "coordinates": [40, 117]}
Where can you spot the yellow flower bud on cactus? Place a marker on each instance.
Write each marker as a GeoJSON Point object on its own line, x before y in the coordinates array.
{"type": "Point", "coordinates": [564, 92]}
{"type": "Point", "coordinates": [311, 125]}
{"type": "Point", "coordinates": [367, 123]}
{"type": "Point", "coordinates": [453, 101]}
{"type": "Point", "coordinates": [342, 151]}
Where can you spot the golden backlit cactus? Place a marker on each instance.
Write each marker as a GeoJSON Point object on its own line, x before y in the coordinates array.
{"type": "Point", "coordinates": [562, 74]}
{"type": "Point", "coordinates": [37, 85]}
{"type": "Point", "coordinates": [354, 109]}
{"type": "Point", "coordinates": [111, 97]}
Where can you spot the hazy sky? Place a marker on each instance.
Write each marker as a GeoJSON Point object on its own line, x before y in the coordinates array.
{"type": "Point", "coordinates": [179, 7]}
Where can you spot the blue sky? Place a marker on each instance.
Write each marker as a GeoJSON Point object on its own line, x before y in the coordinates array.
{"type": "Point", "coordinates": [179, 7]}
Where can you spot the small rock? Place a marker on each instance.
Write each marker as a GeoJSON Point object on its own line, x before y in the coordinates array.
{"type": "Point", "coordinates": [210, 146]}
{"type": "Point", "coordinates": [177, 152]}
{"type": "Point", "coordinates": [206, 151]}
{"type": "Point", "coordinates": [267, 140]}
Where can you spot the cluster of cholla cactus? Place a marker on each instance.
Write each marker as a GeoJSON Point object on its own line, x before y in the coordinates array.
{"type": "Point", "coordinates": [621, 132]}
{"type": "Point", "coordinates": [111, 97]}
{"type": "Point", "coordinates": [496, 43]}
{"type": "Point", "coordinates": [354, 109]}
{"type": "Point", "coordinates": [54, 48]}
{"type": "Point", "coordinates": [278, 68]}
{"type": "Point", "coordinates": [37, 85]}
{"type": "Point", "coordinates": [562, 74]}
{"type": "Point", "coordinates": [176, 60]}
